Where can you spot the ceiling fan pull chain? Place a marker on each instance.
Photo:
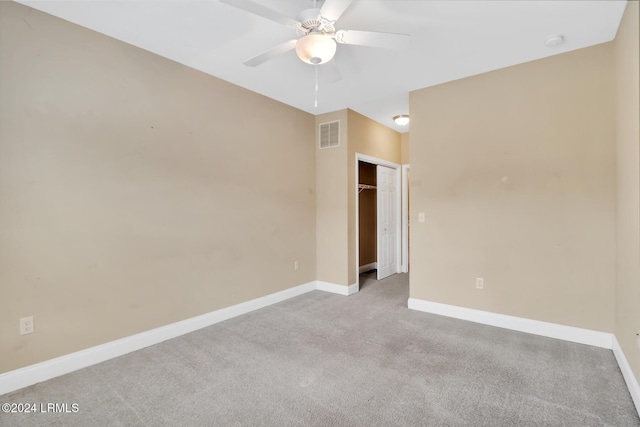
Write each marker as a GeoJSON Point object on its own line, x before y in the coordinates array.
{"type": "Point", "coordinates": [316, 94]}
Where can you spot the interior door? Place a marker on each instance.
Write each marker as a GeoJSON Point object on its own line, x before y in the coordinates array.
{"type": "Point", "coordinates": [387, 221]}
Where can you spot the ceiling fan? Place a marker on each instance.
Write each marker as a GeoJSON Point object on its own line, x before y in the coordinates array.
{"type": "Point", "coordinates": [317, 33]}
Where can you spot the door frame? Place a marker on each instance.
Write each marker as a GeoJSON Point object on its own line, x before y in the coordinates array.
{"type": "Point", "coordinates": [404, 266]}
{"type": "Point", "coordinates": [397, 167]}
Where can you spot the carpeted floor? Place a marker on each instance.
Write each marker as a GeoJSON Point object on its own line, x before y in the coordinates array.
{"type": "Point", "coordinates": [329, 360]}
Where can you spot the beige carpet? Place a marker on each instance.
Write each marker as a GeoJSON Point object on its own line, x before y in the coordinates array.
{"type": "Point", "coordinates": [329, 360]}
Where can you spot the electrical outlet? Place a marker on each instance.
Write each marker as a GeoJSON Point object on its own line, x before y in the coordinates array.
{"type": "Point", "coordinates": [479, 283]}
{"type": "Point", "coordinates": [421, 217]}
{"type": "Point", "coordinates": [296, 265]}
{"type": "Point", "coordinates": [26, 325]}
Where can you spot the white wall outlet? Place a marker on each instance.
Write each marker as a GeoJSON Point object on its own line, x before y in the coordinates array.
{"type": "Point", "coordinates": [296, 265]}
{"type": "Point", "coordinates": [421, 217]}
{"type": "Point", "coordinates": [479, 283]}
{"type": "Point", "coordinates": [27, 325]}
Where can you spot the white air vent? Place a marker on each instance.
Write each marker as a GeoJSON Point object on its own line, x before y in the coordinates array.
{"type": "Point", "coordinates": [330, 134]}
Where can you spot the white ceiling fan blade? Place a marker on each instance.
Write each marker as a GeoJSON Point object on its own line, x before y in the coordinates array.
{"type": "Point", "coordinates": [333, 9]}
{"type": "Point", "coordinates": [331, 71]}
{"type": "Point", "coordinates": [265, 12]}
{"type": "Point", "coordinates": [374, 39]}
{"type": "Point", "coordinates": [271, 53]}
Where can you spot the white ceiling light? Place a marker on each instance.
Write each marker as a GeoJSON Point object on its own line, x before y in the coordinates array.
{"type": "Point", "coordinates": [316, 48]}
{"type": "Point", "coordinates": [401, 120]}
{"type": "Point", "coordinates": [553, 41]}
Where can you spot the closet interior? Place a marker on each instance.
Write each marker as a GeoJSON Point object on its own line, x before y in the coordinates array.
{"type": "Point", "coordinates": [367, 213]}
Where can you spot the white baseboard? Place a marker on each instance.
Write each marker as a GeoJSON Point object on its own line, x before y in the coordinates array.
{"type": "Point", "coordinates": [368, 267]}
{"type": "Point", "coordinates": [546, 329]}
{"type": "Point", "coordinates": [552, 330]}
{"type": "Point", "coordinates": [33, 374]}
{"type": "Point", "coordinates": [627, 373]}
{"type": "Point", "coordinates": [29, 375]}
{"type": "Point", "coordinates": [24, 377]}
{"type": "Point", "coordinates": [337, 289]}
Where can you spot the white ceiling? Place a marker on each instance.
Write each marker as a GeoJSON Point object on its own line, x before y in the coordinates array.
{"type": "Point", "coordinates": [449, 40]}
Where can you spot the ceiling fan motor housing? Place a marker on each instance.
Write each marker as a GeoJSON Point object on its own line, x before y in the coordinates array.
{"type": "Point", "coordinates": [311, 20]}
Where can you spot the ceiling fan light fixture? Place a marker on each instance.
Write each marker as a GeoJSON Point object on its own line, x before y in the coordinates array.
{"type": "Point", "coordinates": [401, 120]}
{"type": "Point", "coordinates": [316, 48]}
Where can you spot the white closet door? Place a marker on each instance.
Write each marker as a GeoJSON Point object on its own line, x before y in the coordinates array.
{"type": "Point", "coordinates": [387, 221]}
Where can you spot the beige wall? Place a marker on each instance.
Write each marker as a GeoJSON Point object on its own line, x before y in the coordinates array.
{"type": "Point", "coordinates": [628, 212]}
{"type": "Point", "coordinates": [373, 139]}
{"type": "Point", "coordinates": [404, 148]}
{"type": "Point", "coordinates": [515, 170]}
{"type": "Point", "coordinates": [135, 192]}
{"type": "Point", "coordinates": [332, 260]}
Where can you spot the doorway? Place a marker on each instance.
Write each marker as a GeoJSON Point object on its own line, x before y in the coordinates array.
{"type": "Point", "coordinates": [378, 213]}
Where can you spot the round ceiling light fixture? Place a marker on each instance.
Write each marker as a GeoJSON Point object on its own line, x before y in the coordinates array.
{"type": "Point", "coordinates": [553, 41]}
{"type": "Point", "coordinates": [316, 48]}
{"type": "Point", "coordinates": [401, 120]}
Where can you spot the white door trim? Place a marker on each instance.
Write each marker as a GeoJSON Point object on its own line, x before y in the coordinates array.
{"type": "Point", "coordinates": [376, 161]}
{"type": "Point", "coordinates": [392, 165]}
{"type": "Point", "coordinates": [404, 264]}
